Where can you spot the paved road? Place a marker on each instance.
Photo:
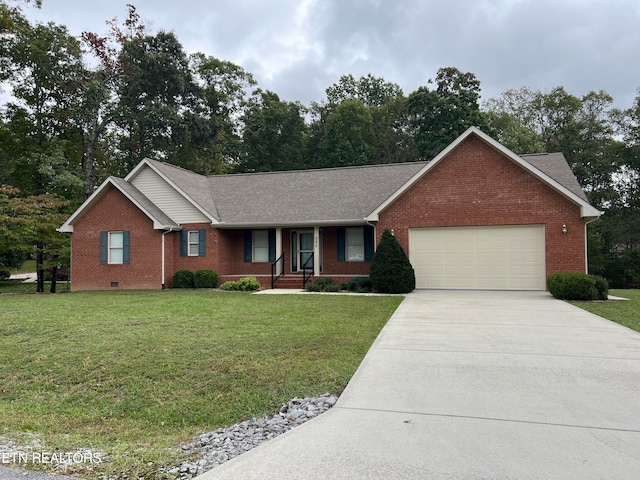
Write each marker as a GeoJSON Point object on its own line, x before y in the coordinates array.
{"type": "Point", "coordinates": [474, 385]}
{"type": "Point", "coordinates": [19, 474]}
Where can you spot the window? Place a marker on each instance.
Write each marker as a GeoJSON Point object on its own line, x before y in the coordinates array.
{"type": "Point", "coordinates": [114, 247]}
{"type": "Point", "coordinates": [260, 246]}
{"type": "Point", "coordinates": [193, 243]}
{"type": "Point", "coordinates": [355, 244]}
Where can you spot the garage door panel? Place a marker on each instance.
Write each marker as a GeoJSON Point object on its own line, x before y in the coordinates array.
{"type": "Point", "coordinates": [504, 257]}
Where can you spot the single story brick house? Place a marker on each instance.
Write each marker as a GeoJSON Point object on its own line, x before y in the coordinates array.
{"type": "Point", "coordinates": [477, 216]}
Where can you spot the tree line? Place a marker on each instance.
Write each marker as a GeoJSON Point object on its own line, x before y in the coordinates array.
{"type": "Point", "coordinates": [84, 108]}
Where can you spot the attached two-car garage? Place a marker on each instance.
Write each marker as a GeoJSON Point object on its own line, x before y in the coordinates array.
{"type": "Point", "coordinates": [508, 257]}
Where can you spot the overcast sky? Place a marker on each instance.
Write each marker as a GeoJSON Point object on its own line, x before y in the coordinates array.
{"type": "Point", "coordinates": [297, 48]}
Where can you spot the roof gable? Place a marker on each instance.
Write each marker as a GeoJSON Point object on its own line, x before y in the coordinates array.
{"type": "Point", "coordinates": [161, 221]}
{"type": "Point", "coordinates": [573, 192]}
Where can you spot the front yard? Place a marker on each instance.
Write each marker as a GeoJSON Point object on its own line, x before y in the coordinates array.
{"type": "Point", "coordinates": [135, 374]}
{"type": "Point", "coordinates": [624, 312]}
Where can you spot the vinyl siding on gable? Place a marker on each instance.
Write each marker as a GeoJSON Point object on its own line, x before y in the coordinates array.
{"type": "Point", "coordinates": [167, 198]}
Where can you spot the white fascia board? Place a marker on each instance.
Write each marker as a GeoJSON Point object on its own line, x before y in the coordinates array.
{"type": "Point", "coordinates": [303, 224]}
{"type": "Point", "coordinates": [585, 208]}
{"type": "Point", "coordinates": [147, 163]}
{"type": "Point", "coordinates": [67, 227]}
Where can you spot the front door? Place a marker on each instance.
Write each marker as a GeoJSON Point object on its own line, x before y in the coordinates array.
{"type": "Point", "coordinates": [302, 250]}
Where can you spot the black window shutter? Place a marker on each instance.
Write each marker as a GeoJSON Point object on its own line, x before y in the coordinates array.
{"type": "Point", "coordinates": [183, 243]}
{"type": "Point", "coordinates": [272, 245]}
{"type": "Point", "coordinates": [247, 246]}
{"type": "Point", "coordinates": [341, 243]}
{"type": "Point", "coordinates": [368, 243]}
{"type": "Point", "coordinates": [202, 243]}
{"type": "Point", "coordinates": [104, 240]}
{"type": "Point", "coordinates": [126, 242]}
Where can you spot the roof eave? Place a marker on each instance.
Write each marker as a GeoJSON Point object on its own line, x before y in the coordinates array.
{"type": "Point", "coordinates": [293, 224]}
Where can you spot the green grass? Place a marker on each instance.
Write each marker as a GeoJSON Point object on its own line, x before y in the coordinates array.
{"type": "Point", "coordinates": [134, 374]}
{"type": "Point", "coordinates": [624, 312]}
{"type": "Point", "coordinates": [28, 266]}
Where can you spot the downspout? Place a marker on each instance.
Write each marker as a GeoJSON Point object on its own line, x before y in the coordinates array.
{"type": "Point", "coordinates": [586, 249]}
{"type": "Point", "coordinates": [375, 245]}
{"type": "Point", "coordinates": [167, 231]}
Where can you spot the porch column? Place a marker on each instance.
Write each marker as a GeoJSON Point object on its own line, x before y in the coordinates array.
{"type": "Point", "coordinates": [316, 251]}
{"type": "Point", "coordinates": [279, 249]}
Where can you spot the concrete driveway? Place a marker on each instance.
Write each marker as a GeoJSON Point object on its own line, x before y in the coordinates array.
{"type": "Point", "coordinates": [474, 385]}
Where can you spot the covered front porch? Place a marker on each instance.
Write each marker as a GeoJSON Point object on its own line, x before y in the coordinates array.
{"type": "Point", "coordinates": [291, 256]}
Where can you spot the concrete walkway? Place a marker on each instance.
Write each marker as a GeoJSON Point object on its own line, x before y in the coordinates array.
{"type": "Point", "coordinates": [474, 385]}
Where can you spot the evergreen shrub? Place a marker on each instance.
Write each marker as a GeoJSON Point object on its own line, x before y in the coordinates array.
{"type": "Point", "coordinates": [391, 271]}
{"type": "Point", "coordinates": [183, 279]}
{"type": "Point", "coordinates": [577, 286]}
{"type": "Point", "coordinates": [205, 279]}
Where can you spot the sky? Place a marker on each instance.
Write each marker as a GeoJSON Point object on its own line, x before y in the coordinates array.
{"type": "Point", "coordinates": [298, 48]}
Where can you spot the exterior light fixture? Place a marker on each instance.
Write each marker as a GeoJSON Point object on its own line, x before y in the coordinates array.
{"type": "Point", "coordinates": [393, 233]}
{"type": "Point", "coordinates": [564, 229]}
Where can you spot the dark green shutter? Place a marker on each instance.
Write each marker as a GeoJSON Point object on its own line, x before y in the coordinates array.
{"type": "Point", "coordinates": [368, 243]}
{"type": "Point", "coordinates": [341, 243]}
{"type": "Point", "coordinates": [247, 247]}
{"type": "Point", "coordinates": [184, 245]}
{"type": "Point", "coordinates": [272, 245]}
{"type": "Point", "coordinates": [202, 243]}
{"type": "Point", "coordinates": [126, 242]}
{"type": "Point", "coordinates": [104, 241]}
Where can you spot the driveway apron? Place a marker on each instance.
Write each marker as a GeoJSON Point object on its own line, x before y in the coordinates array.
{"type": "Point", "coordinates": [474, 385]}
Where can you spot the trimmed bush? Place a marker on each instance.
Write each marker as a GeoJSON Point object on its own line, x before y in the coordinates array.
{"type": "Point", "coordinates": [359, 285]}
{"type": "Point", "coordinates": [205, 279]}
{"type": "Point", "coordinates": [183, 279]}
{"type": "Point", "coordinates": [577, 286]}
{"type": "Point", "coordinates": [248, 284]}
{"type": "Point", "coordinates": [229, 286]}
{"type": "Point", "coordinates": [391, 271]}
{"type": "Point", "coordinates": [322, 285]}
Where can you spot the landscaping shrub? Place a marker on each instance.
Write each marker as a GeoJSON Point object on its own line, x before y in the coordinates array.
{"type": "Point", "coordinates": [322, 285]}
{"type": "Point", "coordinates": [248, 284]}
{"type": "Point", "coordinates": [577, 286]}
{"type": "Point", "coordinates": [359, 285]}
{"type": "Point", "coordinates": [229, 286]}
{"type": "Point", "coordinates": [183, 279]}
{"type": "Point", "coordinates": [391, 271]}
{"type": "Point", "coordinates": [205, 279]}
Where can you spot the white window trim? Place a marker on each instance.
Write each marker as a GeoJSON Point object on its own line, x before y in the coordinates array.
{"type": "Point", "coordinates": [111, 248]}
{"type": "Point", "coordinates": [190, 242]}
{"type": "Point", "coordinates": [359, 244]}
{"type": "Point", "coordinates": [255, 246]}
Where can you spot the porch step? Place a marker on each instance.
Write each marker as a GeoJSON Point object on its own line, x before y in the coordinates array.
{"type": "Point", "coordinates": [290, 282]}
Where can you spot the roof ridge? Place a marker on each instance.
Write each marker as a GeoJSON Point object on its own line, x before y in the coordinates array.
{"type": "Point", "coordinates": [301, 170]}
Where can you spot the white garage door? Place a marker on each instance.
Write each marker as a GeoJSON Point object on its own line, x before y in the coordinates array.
{"type": "Point", "coordinates": [505, 257]}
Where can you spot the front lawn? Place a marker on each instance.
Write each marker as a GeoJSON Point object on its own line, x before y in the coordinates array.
{"type": "Point", "coordinates": [624, 312]}
{"type": "Point", "coordinates": [134, 374]}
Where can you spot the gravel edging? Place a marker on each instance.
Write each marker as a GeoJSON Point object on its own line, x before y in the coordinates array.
{"type": "Point", "coordinates": [214, 448]}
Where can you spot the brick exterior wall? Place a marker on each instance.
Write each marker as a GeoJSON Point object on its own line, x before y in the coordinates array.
{"type": "Point", "coordinates": [114, 212]}
{"type": "Point", "coordinates": [476, 185]}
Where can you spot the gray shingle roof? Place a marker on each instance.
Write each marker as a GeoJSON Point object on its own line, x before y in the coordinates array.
{"type": "Point", "coordinates": [320, 196]}
{"type": "Point", "coordinates": [301, 196]}
{"type": "Point", "coordinates": [556, 167]}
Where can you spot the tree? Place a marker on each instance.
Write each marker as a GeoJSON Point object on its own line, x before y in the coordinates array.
{"type": "Point", "coordinates": [439, 116]}
{"type": "Point", "coordinates": [30, 221]}
{"type": "Point", "coordinates": [274, 134]}
{"type": "Point", "coordinates": [347, 137]}
{"type": "Point", "coordinates": [391, 271]}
